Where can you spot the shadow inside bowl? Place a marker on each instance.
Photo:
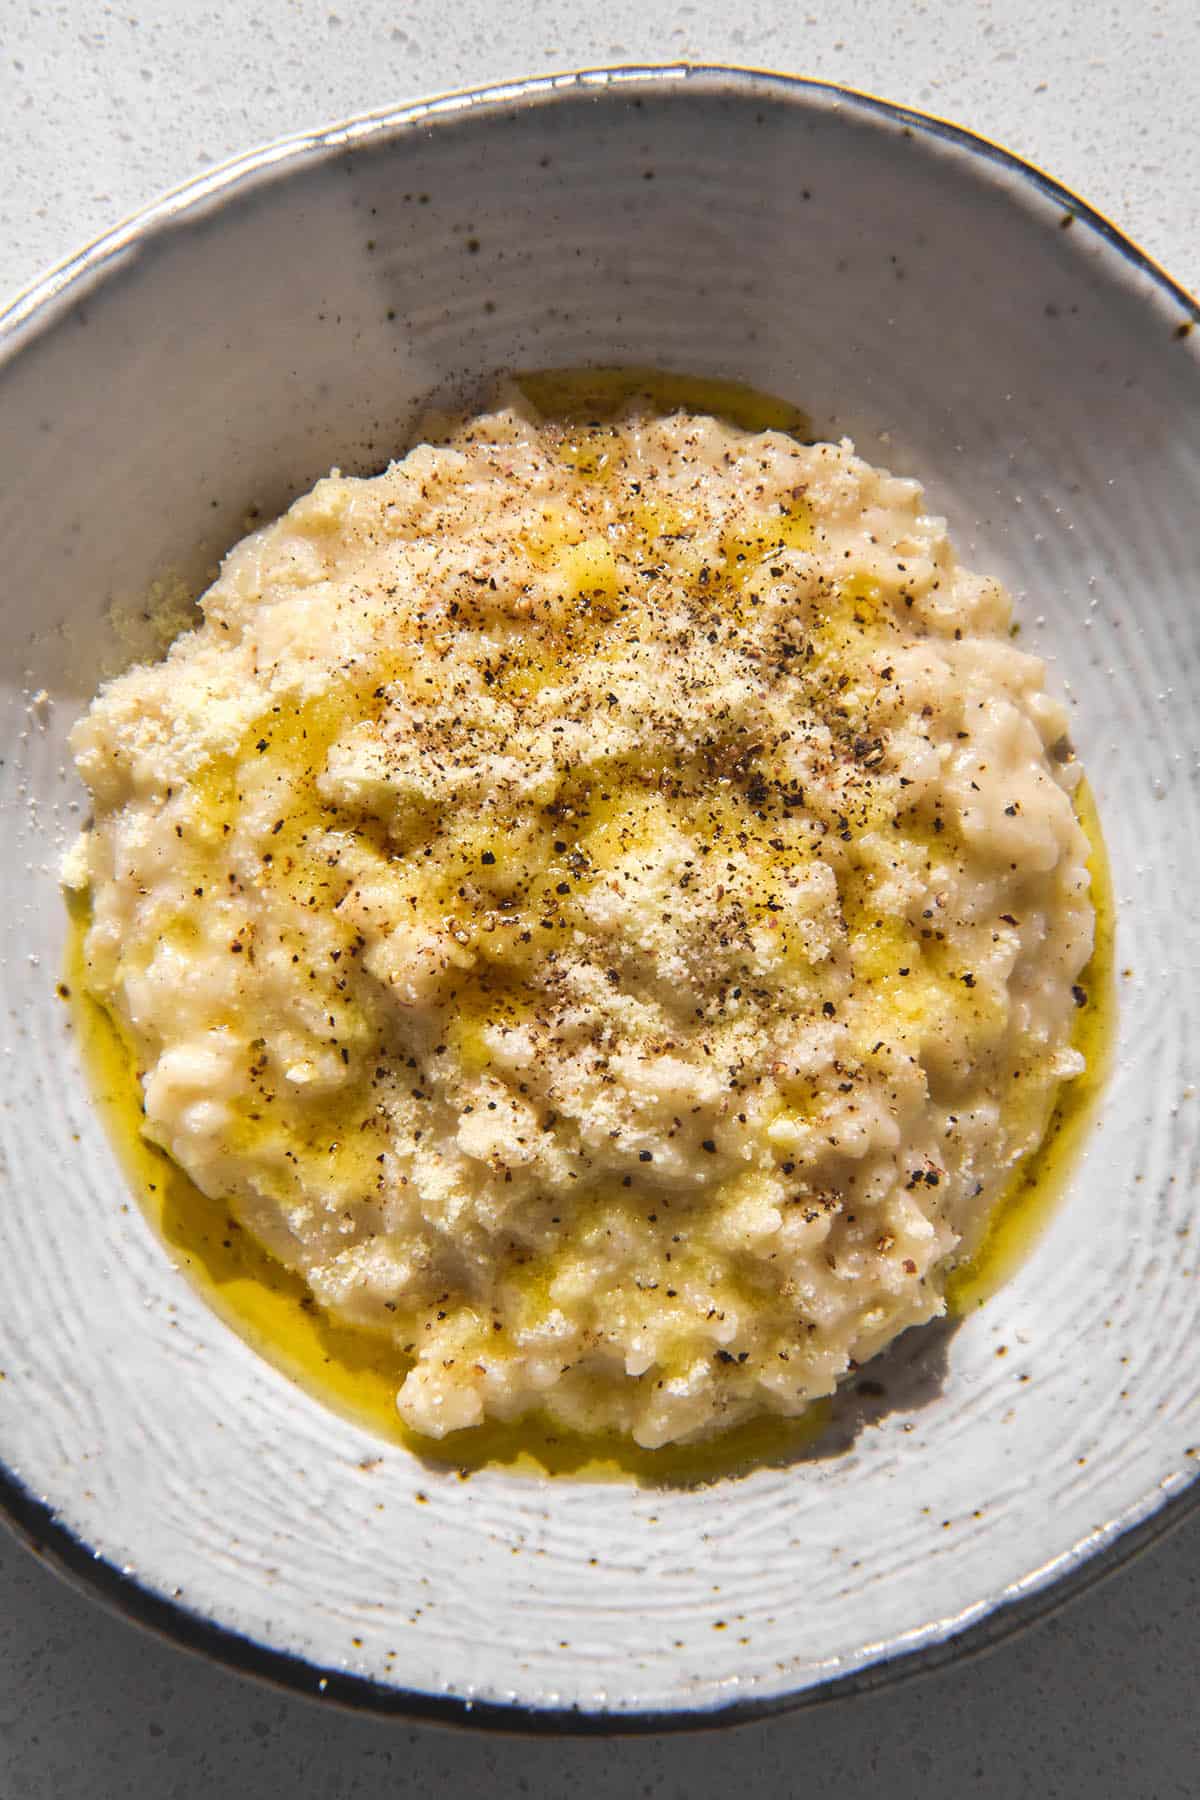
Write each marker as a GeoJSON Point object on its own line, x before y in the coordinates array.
{"type": "Point", "coordinates": [908, 1376]}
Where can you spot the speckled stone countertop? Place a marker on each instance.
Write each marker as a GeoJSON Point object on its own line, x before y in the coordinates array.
{"type": "Point", "coordinates": [101, 107]}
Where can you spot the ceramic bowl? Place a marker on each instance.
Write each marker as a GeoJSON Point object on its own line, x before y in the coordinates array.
{"type": "Point", "coordinates": [963, 319]}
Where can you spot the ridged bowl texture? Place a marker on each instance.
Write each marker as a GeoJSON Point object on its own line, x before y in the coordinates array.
{"type": "Point", "coordinates": [965, 322]}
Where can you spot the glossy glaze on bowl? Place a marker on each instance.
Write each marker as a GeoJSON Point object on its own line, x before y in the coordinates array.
{"type": "Point", "coordinates": [965, 323]}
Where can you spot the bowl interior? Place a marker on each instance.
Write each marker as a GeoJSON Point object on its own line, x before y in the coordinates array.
{"type": "Point", "coordinates": [963, 323]}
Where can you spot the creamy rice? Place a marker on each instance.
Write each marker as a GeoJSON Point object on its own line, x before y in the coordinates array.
{"type": "Point", "coordinates": [603, 903]}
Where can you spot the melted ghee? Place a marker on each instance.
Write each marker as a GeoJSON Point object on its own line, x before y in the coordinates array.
{"type": "Point", "coordinates": [356, 1371]}
{"type": "Point", "coordinates": [600, 393]}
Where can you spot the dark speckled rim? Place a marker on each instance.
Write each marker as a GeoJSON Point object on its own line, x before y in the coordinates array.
{"type": "Point", "coordinates": [192, 196]}
{"type": "Point", "coordinates": [34, 1523]}
{"type": "Point", "coordinates": [33, 1520]}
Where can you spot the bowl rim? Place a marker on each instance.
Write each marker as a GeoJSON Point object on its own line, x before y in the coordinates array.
{"type": "Point", "coordinates": [32, 1519]}
{"type": "Point", "coordinates": [91, 259]}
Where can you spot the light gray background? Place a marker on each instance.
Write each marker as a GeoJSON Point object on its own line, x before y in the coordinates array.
{"type": "Point", "coordinates": [102, 106]}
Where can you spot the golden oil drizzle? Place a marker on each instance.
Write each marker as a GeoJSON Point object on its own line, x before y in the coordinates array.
{"type": "Point", "coordinates": [356, 1371]}
{"type": "Point", "coordinates": [601, 393]}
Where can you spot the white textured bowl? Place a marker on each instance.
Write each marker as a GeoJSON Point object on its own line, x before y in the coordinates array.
{"type": "Point", "coordinates": [966, 321]}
